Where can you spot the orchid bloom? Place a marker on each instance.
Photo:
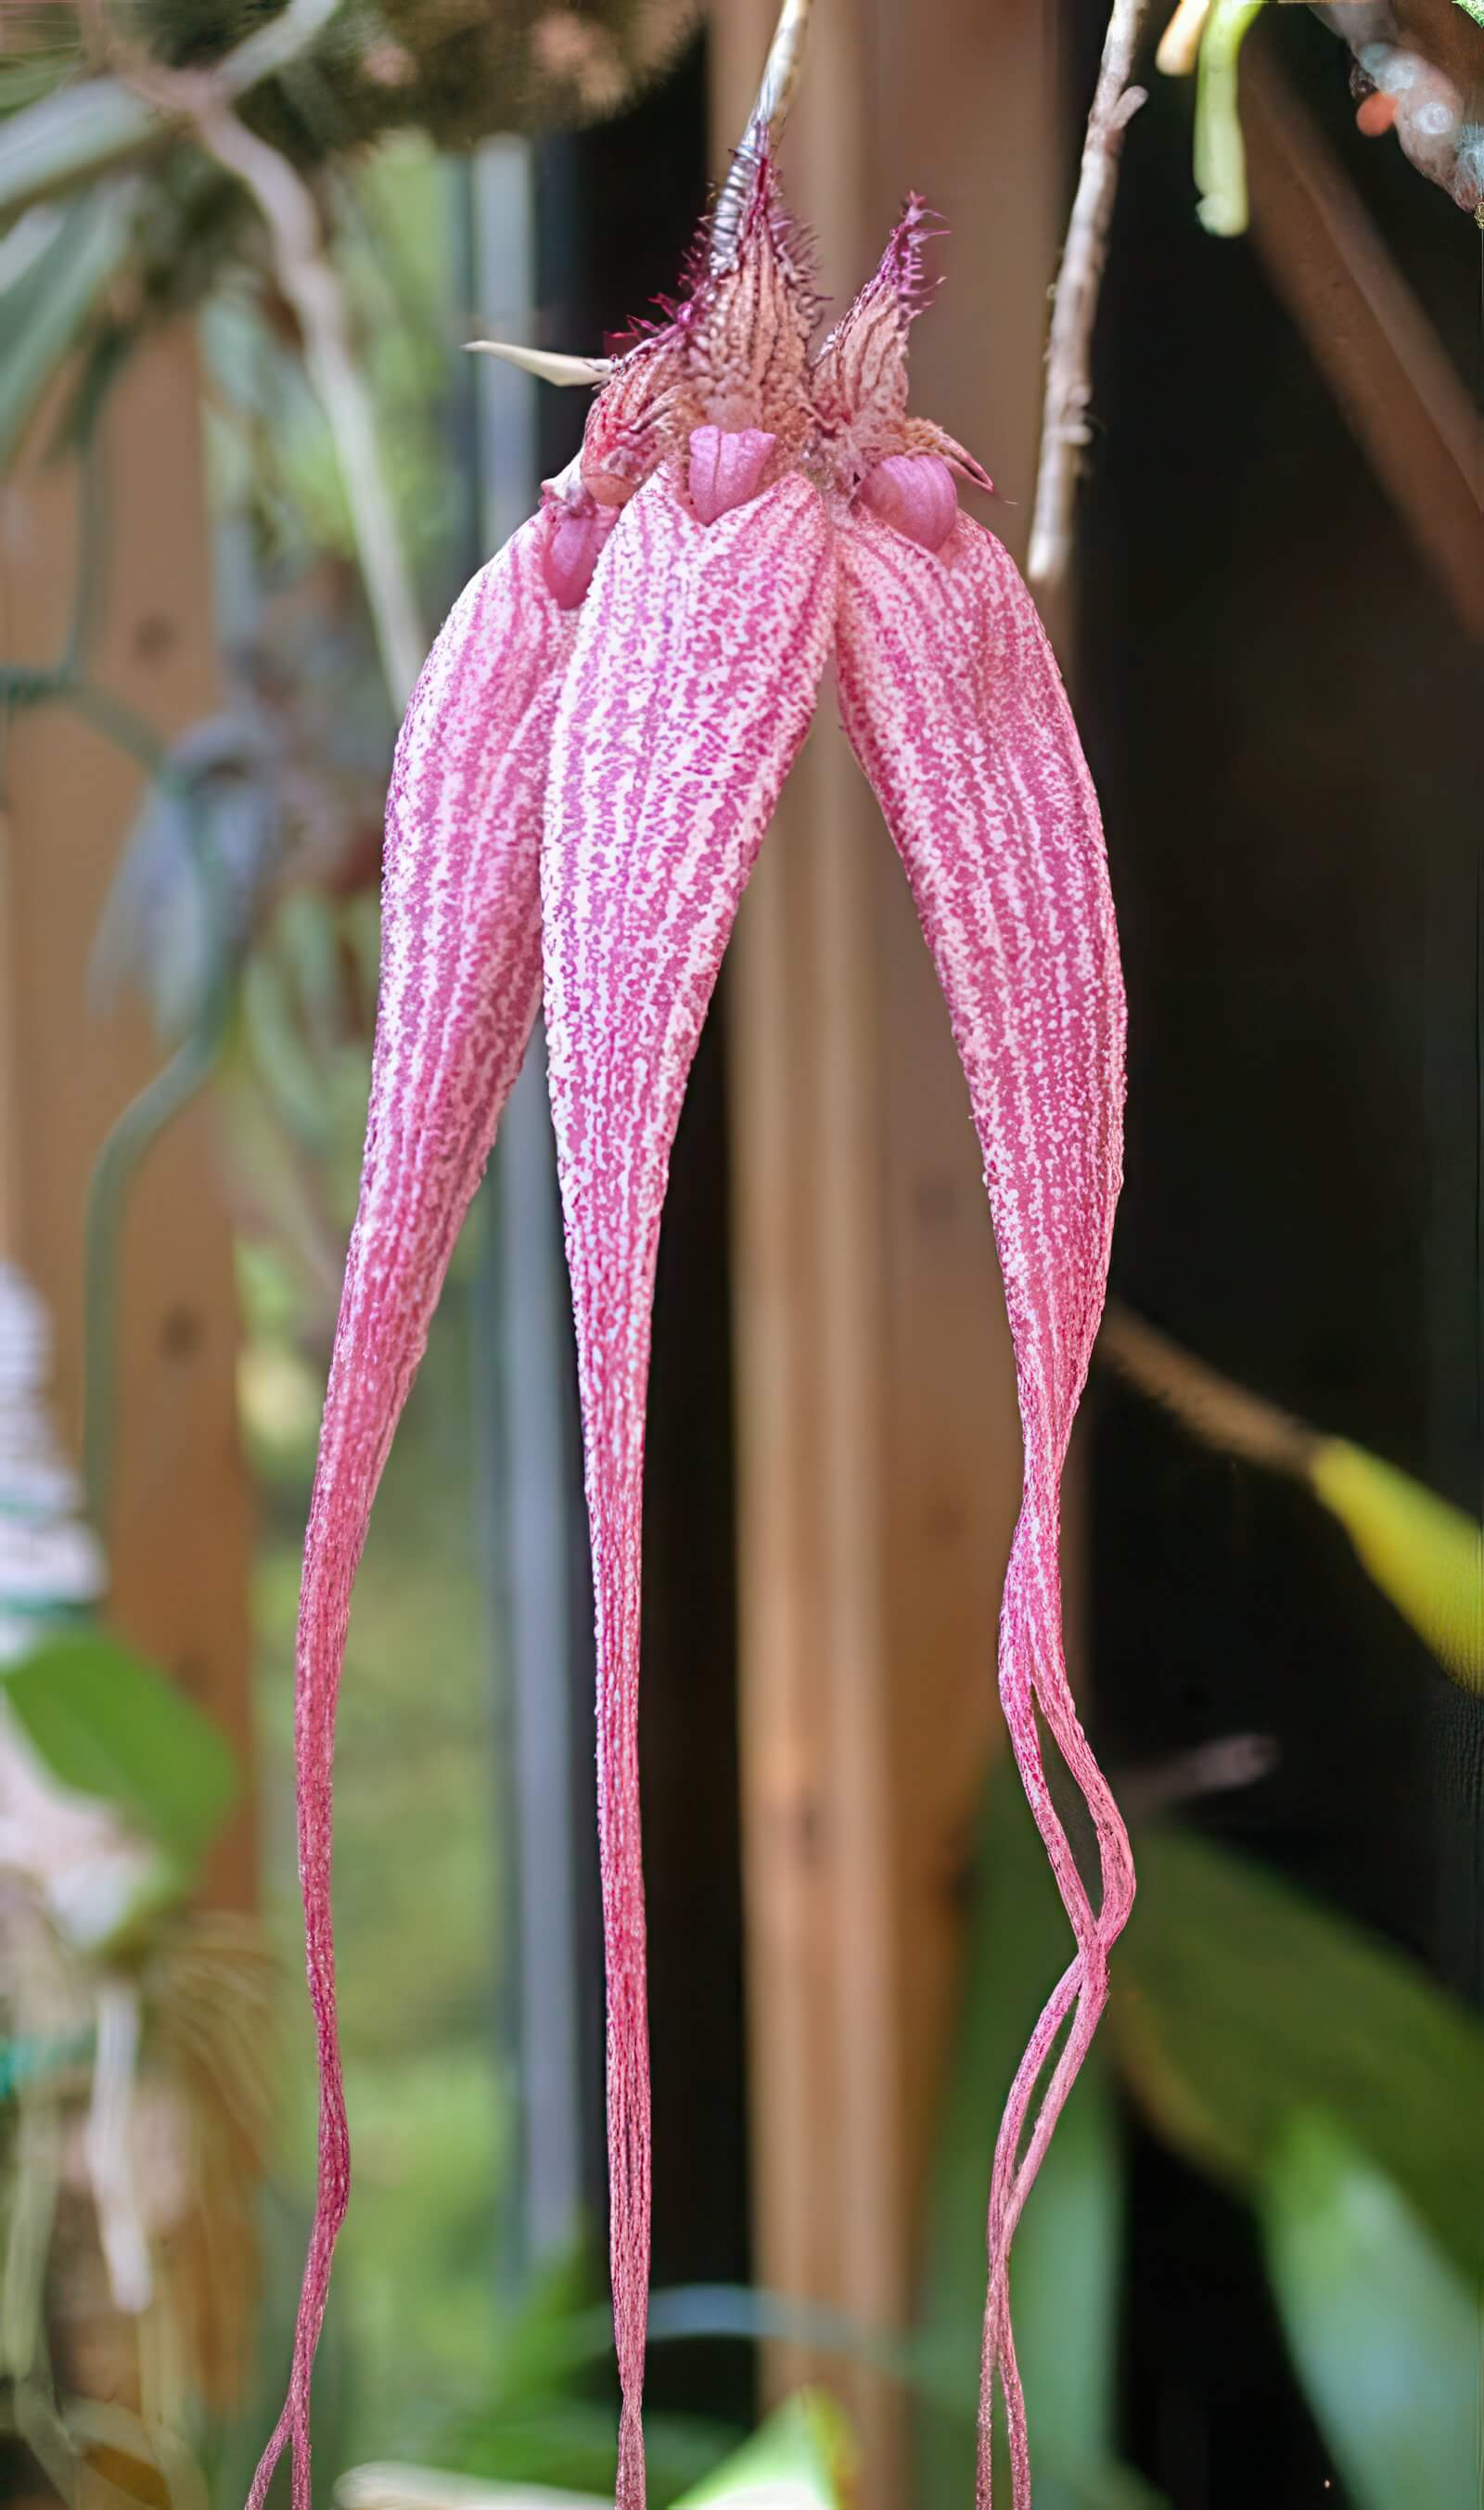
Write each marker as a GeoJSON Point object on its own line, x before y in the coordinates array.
{"type": "Point", "coordinates": [584, 777]}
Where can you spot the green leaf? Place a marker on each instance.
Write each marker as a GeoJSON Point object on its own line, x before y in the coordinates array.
{"type": "Point", "coordinates": [1221, 159]}
{"type": "Point", "coordinates": [1385, 2330]}
{"type": "Point", "coordinates": [110, 1725]}
{"type": "Point", "coordinates": [43, 310]}
{"type": "Point", "coordinates": [1426, 1554]}
{"type": "Point", "coordinates": [1068, 2249]}
{"type": "Point", "coordinates": [1473, 9]}
{"type": "Point", "coordinates": [1238, 2006]}
{"type": "Point", "coordinates": [72, 138]}
{"type": "Point", "coordinates": [535, 2423]}
{"type": "Point", "coordinates": [799, 2461]}
{"type": "Point", "coordinates": [99, 125]}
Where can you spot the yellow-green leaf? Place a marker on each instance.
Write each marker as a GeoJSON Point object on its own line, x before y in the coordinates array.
{"type": "Point", "coordinates": [801, 2460]}
{"type": "Point", "coordinates": [1423, 1552]}
{"type": "Point", "coordinates": [1221, 161]}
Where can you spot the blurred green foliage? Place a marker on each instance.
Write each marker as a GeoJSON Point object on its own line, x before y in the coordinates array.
{"type": "Point", "coordinates": [418, 1919]}
{"type": "Point", "coordinates": [1067, 2255]}
{"type": "Point", "coordinates": [273, 455]}
{"type": "Point", "coordinates": [1387, 2334]}
{"type": "Point", "coordinates": [545, 2410]}
{"type": "Point", "coordinates": [1315, 2072]}
{"type": "Point", "coordinates": [1240, 2005]}
{"type": "Point", "coordinates": [458, 70]}
{"type": "Point", "coordinates": [802, 2459]}
{"type": "Point", "coordinates": [108, 1725]}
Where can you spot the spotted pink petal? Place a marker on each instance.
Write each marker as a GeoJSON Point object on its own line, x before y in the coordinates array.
{"type": "Point", "coordinates": [460, 978]}
{"type": "Point", "coordinates": [691, 688]}
{"type": "Point", "coordinates": [954, 704]}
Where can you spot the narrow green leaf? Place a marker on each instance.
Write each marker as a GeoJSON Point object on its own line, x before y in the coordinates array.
{"type": "Point", "coordinates": [110, 1725]}
{"type": "Point", "coordinates": [800, 2460]}
{"type": "Point", "coordinates": [1239, 2004]}
{"type": "Point", "coordinates": [26, 77]}
{"type": "Point", "coordinates": [1385, 2332]}
{"type": "Point", "coordinates": [1424, 1553]}
{"type": "Point", "coordinates": [43, 311]}
{"type": "Point", "coordinates": [70, 139]}
{"type": "Point", "coordinates": [99, 125]}
{"type": "Point", "coordinates": [1221, 159]}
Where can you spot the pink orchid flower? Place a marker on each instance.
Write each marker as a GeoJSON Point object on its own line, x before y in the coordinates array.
{"type": "Point", "coordinates": [586, 774]}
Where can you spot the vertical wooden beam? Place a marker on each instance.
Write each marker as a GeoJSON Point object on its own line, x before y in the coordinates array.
{"type": "Point", "coordinates": [1371, 339]}
{"type": "Point", "coordinates": [178, 1541]}
{"type": "Point", "coordinates": [879, 1451]}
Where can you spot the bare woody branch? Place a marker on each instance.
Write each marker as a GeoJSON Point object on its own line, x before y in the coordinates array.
{"type": "Point", "coordinates": [1064, 427]}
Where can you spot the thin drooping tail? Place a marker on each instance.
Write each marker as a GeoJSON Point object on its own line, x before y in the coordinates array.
{"type": "Point", "coordinates": [460, 982]}
{"type": "Point", "coordinates": [953, 701]}
{"type": "Point", "coordinates": [691, 688]}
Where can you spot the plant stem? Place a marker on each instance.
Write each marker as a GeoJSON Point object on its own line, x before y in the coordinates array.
{"type": "Point", "coordinates": [780, 77]}
{"type": "Point", "coordinates": [1210, 1406]}
{"type": "Point", "coordinates": [145, 1116]}
{"type": "Point", "coordinates": [313, 288]}
{"type": "Point", "coordinates": [1064, 429]}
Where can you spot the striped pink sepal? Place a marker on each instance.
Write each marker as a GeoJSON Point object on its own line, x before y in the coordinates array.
{"type": "Point", "coordinates": [954, 704]}
{"type": "Point", "coordinates": [460, 981]}
{"type": "Point", "coordinates": [691, 687]}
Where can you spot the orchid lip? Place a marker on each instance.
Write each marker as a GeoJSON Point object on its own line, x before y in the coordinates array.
{"type": "Point", "coordinates": [916, 493]}
{"type": "Point", "coordinates": [572, 552]}
{"type": "Point", "coordinates": [726, 468]}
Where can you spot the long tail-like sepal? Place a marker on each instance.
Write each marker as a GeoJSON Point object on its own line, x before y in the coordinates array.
{"type": "Point", "coordinates": [689, 690]}
{"type": "Point", "coordinates": [954, 704]}
{"type": "Point", "coordinates": [460, 981]}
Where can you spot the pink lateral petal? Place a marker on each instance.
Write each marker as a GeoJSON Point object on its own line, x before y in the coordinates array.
{"type": "Point", "coordinates": [691, 688]}
{"type": "Point", "coordinates": [954, 704]}
{"type": "Point", "coordinates": [460, 982]}
{"type": "Point", "coordinates": [858, 381]}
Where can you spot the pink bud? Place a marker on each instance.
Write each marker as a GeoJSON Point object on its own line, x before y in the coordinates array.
{"type": "Point", "coordinates": [916, 493]}
{"type": "Point", "coordinates": [727, 465]}
{"type": "Point", "coordinates": [574, 547]}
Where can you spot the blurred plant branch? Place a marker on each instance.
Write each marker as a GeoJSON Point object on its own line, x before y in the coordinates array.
{"type": "Point", "coordinates": [1064, 429]}
{"type": "Point", "coordinates": [1219, 1768]}
{"type": "Point", "coordinates": [76, 133]}
{"type": "Point", "coordinates": [67, 683]}
{"type": "Point", "coordinates": [1209, 1405]}
{"type": "Point", "coordinates": [1424, 1553]}
{"type": "Point", "coordinates": [204, 102]}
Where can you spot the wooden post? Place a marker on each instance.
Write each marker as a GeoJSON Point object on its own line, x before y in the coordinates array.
{"type": "Point", "coordinates": [879, 1450]}
{"type": "Point", "coordinates": [178, 1541]}
{"type": "Point", "coordinates": [1371, 339]}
